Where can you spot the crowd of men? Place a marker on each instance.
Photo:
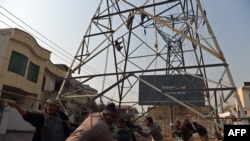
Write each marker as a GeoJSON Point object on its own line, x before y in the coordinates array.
{"type": "Point", "coordinates": [54, 125]}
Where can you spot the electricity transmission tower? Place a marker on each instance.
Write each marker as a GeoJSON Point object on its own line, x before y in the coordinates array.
{"type": "Point", "coordinates": [127, 39]}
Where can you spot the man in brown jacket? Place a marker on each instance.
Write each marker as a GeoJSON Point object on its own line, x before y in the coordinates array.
{"type": "Point", "coordinates": [96, 127]}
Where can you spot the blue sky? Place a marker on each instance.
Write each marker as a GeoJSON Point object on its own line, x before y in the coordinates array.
{"type": "Point", "coordinates": [229, 20]}
{"type": "Point", "coordinates": [64, 22]}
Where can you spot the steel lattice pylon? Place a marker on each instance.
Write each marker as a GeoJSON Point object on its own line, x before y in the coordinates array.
{"type": "Point", "coordinates": [127, 39]}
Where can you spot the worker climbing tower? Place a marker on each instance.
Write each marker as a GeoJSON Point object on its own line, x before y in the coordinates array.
{"type": "Point", "coordinates": [131, 44]}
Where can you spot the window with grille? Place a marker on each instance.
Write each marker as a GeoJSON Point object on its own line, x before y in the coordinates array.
{"type": "Point", "coordinates": [18, 63]}
{"type": "Point", "coordinates": [33, 72]}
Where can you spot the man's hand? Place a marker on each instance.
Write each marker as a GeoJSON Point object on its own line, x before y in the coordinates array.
{"type": "Point", "coordinates": [12, 104]}
{"type": "Point", "coordinates": [19, 108]}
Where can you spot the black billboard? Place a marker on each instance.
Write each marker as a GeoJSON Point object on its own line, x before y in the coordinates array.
{"type": "Point", "coordinates": [185, 88]}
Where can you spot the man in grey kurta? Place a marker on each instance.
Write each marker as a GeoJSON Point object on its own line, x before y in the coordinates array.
{"type": "Point", "coordinates": [154, 131]}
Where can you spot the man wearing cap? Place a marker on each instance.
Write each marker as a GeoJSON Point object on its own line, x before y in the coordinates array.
{"type": "Point", "coordinates": [97, 126]}
{"type": "Point", "coordinates": [52, 125]}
